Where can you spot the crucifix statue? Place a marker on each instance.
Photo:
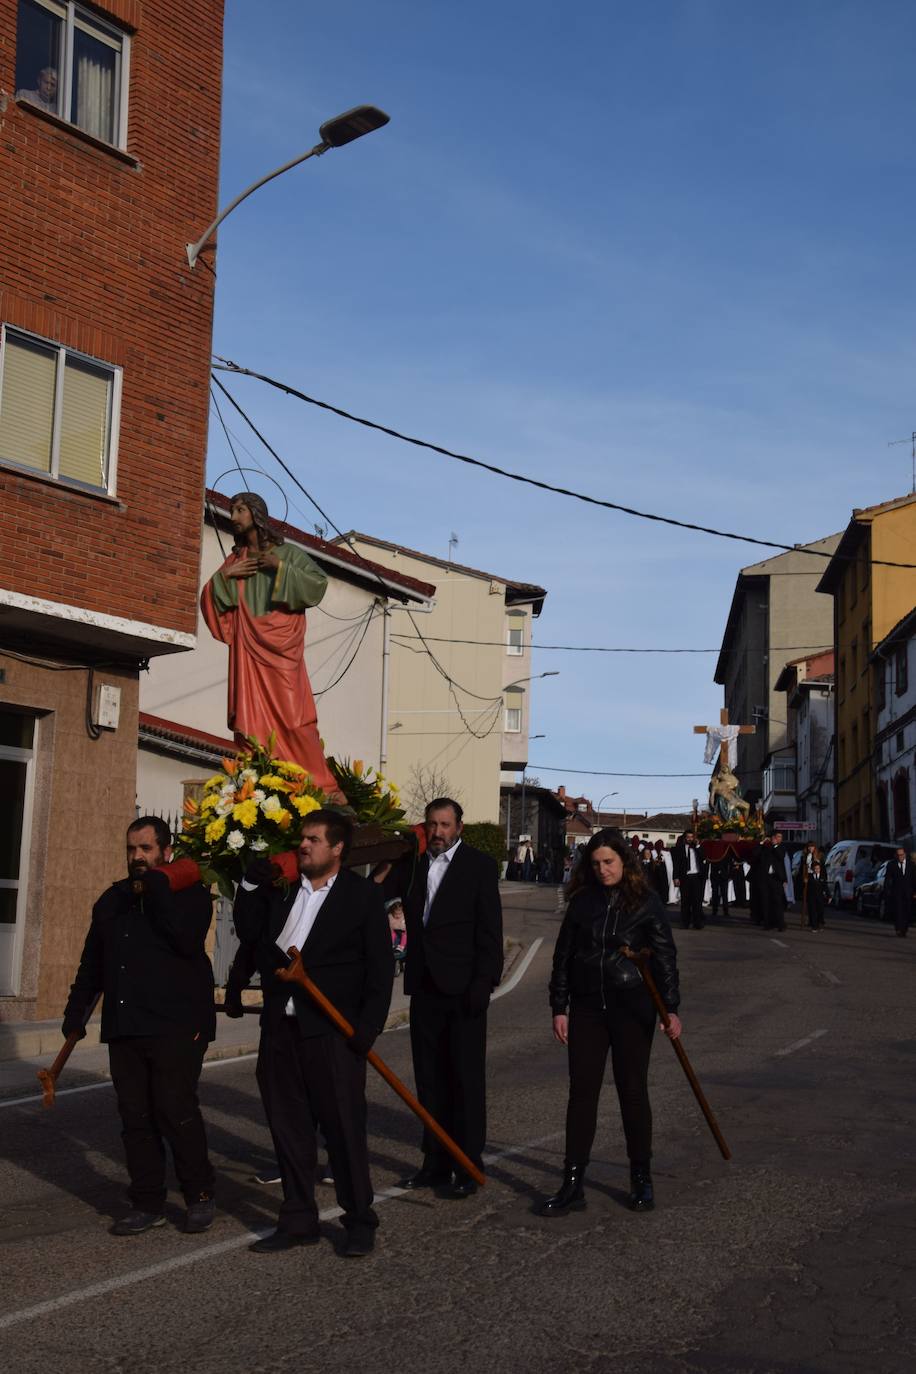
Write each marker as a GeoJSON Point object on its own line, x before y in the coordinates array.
{"type": "Point", "coordinates": [724, 790]}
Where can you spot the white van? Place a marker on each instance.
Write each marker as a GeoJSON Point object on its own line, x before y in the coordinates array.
{"type": "Point", "coordinates": [849, 864]}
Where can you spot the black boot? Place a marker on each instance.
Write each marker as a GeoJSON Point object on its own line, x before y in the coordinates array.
{"type": "Point", "coordinates": [642, 1198]}
{"type": "Point", "coordinates": [570, 1197]}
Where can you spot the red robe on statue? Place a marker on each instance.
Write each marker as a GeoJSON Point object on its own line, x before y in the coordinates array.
{"type": "Point", "coordinates": [262, 619]}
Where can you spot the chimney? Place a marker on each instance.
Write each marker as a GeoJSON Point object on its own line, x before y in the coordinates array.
{"type": "Point", "coordinates": [561, 792]}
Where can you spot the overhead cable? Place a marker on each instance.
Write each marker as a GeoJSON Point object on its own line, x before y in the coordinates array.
{"type": "Point", "coordinates": [226, 365]}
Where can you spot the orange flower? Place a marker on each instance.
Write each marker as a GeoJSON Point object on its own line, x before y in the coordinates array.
{"type": "Point", "coordinates": [245, 790]}
{"type": "Point", "coordinates": [230, 766]}
{"type": "Point", "coordinates": [190, 807]}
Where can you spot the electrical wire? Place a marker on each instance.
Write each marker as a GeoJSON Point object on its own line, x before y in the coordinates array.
{"type": "Point", "coordinates": [227, 365]}
{"type": "Point", "coordinates": [340, 677]}
{"type": "Point", "coordinates": [602, 649]}
{"type": "Point", "coordinates": [602, 773]}
{"type": "Point", "coordinates": [219, 416]}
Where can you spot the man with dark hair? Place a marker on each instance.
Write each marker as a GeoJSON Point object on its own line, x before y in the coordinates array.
{"type": "Point", "coordinates": [454, 961]}
{"type": "Point", "coordinates": [900, 890]}
{"type": "Point", "coordinates": [690, 870]}
{"type": "Point", "coordinates": [307, 1072]}
{"type": "Point", "coordinates": [145, 954]}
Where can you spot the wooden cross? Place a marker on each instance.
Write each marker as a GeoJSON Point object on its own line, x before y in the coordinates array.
{"type": "Point", "coordinates": [723, 745]}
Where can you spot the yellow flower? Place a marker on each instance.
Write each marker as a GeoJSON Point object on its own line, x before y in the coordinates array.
{"type": "Point", "coordinates": [358, 767]}
{"type": "Point", "coordinates": [306, 804]}
{"type": "Point", "coordinates": [274, 781]}
{"type": "Point", "coordinates": [295, 770]}
{"type": "Point", "coordinates": [215, 830]}
{"type": "Point", "coordinates": [283, 819]}
{"type": "Point", "coordinates": [246, 813]}
{"type": "Point", "coordinates": [209, 802]}
{"type": "Point", "coordinates": [216, 781]}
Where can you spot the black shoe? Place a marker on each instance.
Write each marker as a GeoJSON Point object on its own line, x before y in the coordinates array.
{"type": "Point", "coordinates": [284, 1240]}
{"type": "Point", "coordinates": [699, 925]}
{"type": "Point", "coordinates": [360, 1242]}
{"type": "Point", "coordinates": [569, 1197]}
{"type": "Point", "coordinates": [428, 1177]}
{"type": "Point", "coordinates": [642, 1197]}
{"type": "Point", "coordinates": [463, 1186]}
{"type": "Point", "coordinates": [200, 1216]}
{"type": "Point", "coordinates": [136, 1222]}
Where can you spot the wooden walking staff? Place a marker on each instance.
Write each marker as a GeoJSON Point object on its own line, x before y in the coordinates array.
{"type": "Point", "coordinates": [641, 960]}
{"type": "Point", "coordinates": [48, 1077]}
{"type": "Point", "coordinates": [297, 974]}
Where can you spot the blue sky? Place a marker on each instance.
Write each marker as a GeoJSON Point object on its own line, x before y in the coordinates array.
{"type": "Point", "coordinates": [658, 252]}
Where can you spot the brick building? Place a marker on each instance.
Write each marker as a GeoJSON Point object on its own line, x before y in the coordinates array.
{"type": "Point", "coordinates": [109, 164]}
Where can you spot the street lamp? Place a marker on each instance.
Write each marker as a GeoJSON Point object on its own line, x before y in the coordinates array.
{"type": "Point", "coordinates": [605, 798]}
{"type": "Point", "coordinates": [334, 133]}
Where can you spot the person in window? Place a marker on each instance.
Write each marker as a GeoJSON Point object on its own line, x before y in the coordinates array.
{"type": "Point", "coordinates": [45, 93]}
{"type": "Point", "coordinates": [599, 1003]}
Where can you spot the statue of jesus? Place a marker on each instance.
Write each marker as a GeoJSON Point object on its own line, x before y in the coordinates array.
{"type": "Point", "coordinates": [256, 604]}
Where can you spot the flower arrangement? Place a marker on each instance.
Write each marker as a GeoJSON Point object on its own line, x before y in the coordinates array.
{"type": "Point", "coordinates": [711, 826]}
{"type": "Point", "coordinates": [255, 806]}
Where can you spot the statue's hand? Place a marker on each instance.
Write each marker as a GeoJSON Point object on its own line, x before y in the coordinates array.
{"type": "Point", "coordinates": [268, 562]}
{"type": "Point", "coordinates": [245, 567]}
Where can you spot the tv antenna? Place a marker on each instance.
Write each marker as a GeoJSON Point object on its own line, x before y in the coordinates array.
{"type": "Point", "coordinates": [453, 540]}
{"type": "Point", "coordinates": [912, 443]}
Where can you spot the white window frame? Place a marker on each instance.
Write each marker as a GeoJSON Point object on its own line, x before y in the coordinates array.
{"type": "Point", "coordinates": [114, 422]}
{"type": "Point", "coordinates": [513, 713]}
{"type": "Point", "coordinates": [16, 941]}
{"type": "Point", "coordinates": [516, 650]}
{"type": "Point", "coordinates": [69, 12]}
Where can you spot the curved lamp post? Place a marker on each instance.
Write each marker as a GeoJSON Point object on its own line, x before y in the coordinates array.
{"type": "Point", "coordinates": [334, 133]}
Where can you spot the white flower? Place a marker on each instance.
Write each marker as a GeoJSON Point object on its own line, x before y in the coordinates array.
{"type": "Point", "coordinates": [270, 805]}
{"type": "Point", "coordinates": [258, 845]}
{"type": "Point", "coordinates": [224, 807]}
{"type": "Point", "coordinates": [247, 773]}
{"type": "Point", "coordinates": [258, 794]}
{"type": "Point", "coordinates": [235, 839]}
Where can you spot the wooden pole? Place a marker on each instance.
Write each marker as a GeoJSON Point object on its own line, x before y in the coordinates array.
{"type": "Point", "coordinates": [641, 959]}
{"type": "Point", "coordinates": [297, 974]}
{"type": "Point", "coordinates": [48, 1077]}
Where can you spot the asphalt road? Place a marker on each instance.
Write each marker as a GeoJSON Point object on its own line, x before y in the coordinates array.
{"type": "Point", "coordinates": [799, 1255]}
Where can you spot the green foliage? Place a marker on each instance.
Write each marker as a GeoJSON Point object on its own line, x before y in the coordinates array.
{"type": "Point", "coordinates": [488, 836]}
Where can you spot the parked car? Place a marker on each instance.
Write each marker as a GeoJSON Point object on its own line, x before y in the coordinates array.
{"type": "Point", "coordinates": [849, 864]}
{"type": "Point", "coordinates": [870, 896]}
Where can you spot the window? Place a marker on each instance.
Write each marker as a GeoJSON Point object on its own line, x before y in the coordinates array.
{"type": "Point", "coordinates": [880, 684]}
{"type": "Point", "coordinates": [58, 411]}
{"type": "Point", "coordinates": [900, 671]}
{"type": "Point", "coordinates": [900, 742]}
{"type": "Point", "coordinates": [513, 720]}
{"type": "Point", "coordinates": [515, 640]}
{"type": "Point", "coordinates": [74, 65]}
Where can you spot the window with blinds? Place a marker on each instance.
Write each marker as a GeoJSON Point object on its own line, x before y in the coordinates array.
{"type": "Point", "coordinates": [58, 411]}
{"type": "Point", "coordinates": [513, 714]}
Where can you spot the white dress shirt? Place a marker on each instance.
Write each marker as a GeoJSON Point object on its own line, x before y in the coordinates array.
{"type": "Point", "coordinates": [438, 867]}
{"type": "Point", "coordinates": [691, 861]}
{"type": "Point", "coordinates": [302, 916]}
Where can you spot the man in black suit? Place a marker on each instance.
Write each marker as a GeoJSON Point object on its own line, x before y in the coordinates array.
{"type": "Point", "coordinates": [454, 961]}
{"type": "Point", "coordinates": [899, 890]}
{"type": "Point", "coordinates": [774, 872]}
{"type": "Point", "coordinates": [145, 953]}
{"type": "Point", "coordinates": [307, 1072]}
{"type": "Point", "coordinates": [690, 869]}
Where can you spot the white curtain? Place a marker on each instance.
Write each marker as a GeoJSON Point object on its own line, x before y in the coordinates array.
{"type": "Point", "coordinates": [95, 71]}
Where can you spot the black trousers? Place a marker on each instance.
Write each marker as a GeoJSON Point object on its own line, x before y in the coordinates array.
{"type": "Point", "coordinates": [692, 899]}
{"type": "Point", "coordinates": [720, 883]}
{"type": "Point", "coordinates": [302, 1082]}
{"type": "Point", "coordinates": [449, 1064]}
{"type": "Point", "coordinates": [626, 1028]}
{"type": "Point", "coordinates": [773, 904]}
{"type": "Point", "coordinates": [155, 1079]}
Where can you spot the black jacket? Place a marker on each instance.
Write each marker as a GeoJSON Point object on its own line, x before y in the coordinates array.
{"type": "Point", "coordinates": [587, 961]}
{"type": "Point", "coordinates": [899, 889]}
{"type": "Point", "coordinates": [462, 942]}
{"type": "Point", "coordinates": [146, 955]}
{"type": "Point", "coordinates": [680, 862]}
{"type": "Point", "coordinates": [347, 953]}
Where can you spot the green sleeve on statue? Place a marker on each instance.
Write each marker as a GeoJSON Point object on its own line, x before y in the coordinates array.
{"type": "Point", "coordinates": [224, 591]}
{"type": "Point", "coordinates": [299, 582]}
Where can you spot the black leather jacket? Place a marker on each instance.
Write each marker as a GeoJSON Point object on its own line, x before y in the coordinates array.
{"type": "Point", "coordinates": [587, 959]}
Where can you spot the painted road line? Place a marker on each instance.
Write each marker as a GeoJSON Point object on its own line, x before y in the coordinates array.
{"type": "Point", "coordinates": [520, 972]}
{"type": "Point", "coordinates": [152, 1271]}
{"type": "Point", "coordinates": [800, 1044]}
{"type": "Point", "coordinates": [779, 943]}
{"type": "Point", "coordinates": [831, 977]}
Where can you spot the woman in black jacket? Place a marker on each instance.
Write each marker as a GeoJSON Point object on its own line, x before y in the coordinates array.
{"type": "Point", "coordinates": [599, 1003]}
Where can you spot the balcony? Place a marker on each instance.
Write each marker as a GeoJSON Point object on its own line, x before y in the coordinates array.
{"type": "Point", "coordinates": [779, 788]}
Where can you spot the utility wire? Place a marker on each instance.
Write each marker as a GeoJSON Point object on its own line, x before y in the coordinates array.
{"type": "Point", "coordinates": [352, 658]}
{"type": "Point", "coordinates": [599, 773]}
{"type": "Point", "coordinates": [226, 365]}
{"type": "Point", "coordinates": [601, 649]}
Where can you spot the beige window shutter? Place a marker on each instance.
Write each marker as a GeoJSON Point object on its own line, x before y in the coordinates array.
{"type": "Point", "coordinates": [27, 403]}
{"type": "Point", "coordinates": [85, 423]}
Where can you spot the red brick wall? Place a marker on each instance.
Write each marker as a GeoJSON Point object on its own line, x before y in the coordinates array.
{"type": "Point", "coordinates": [92, 255]}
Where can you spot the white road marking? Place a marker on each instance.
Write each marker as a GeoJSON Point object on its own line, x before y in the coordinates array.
{"type": "Point", "coordinates": [513, 983]}
{"type": "Point", "coordinates": [152, 1271]}
{"type": "Point", "coordinates": [800, 1044]}
{"type": "Point", "coordinates": [779, 943]}
{"type": "Point", "coordinates": [520, 972]}
{"type": "Point", "coordinates": [831, 977]}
